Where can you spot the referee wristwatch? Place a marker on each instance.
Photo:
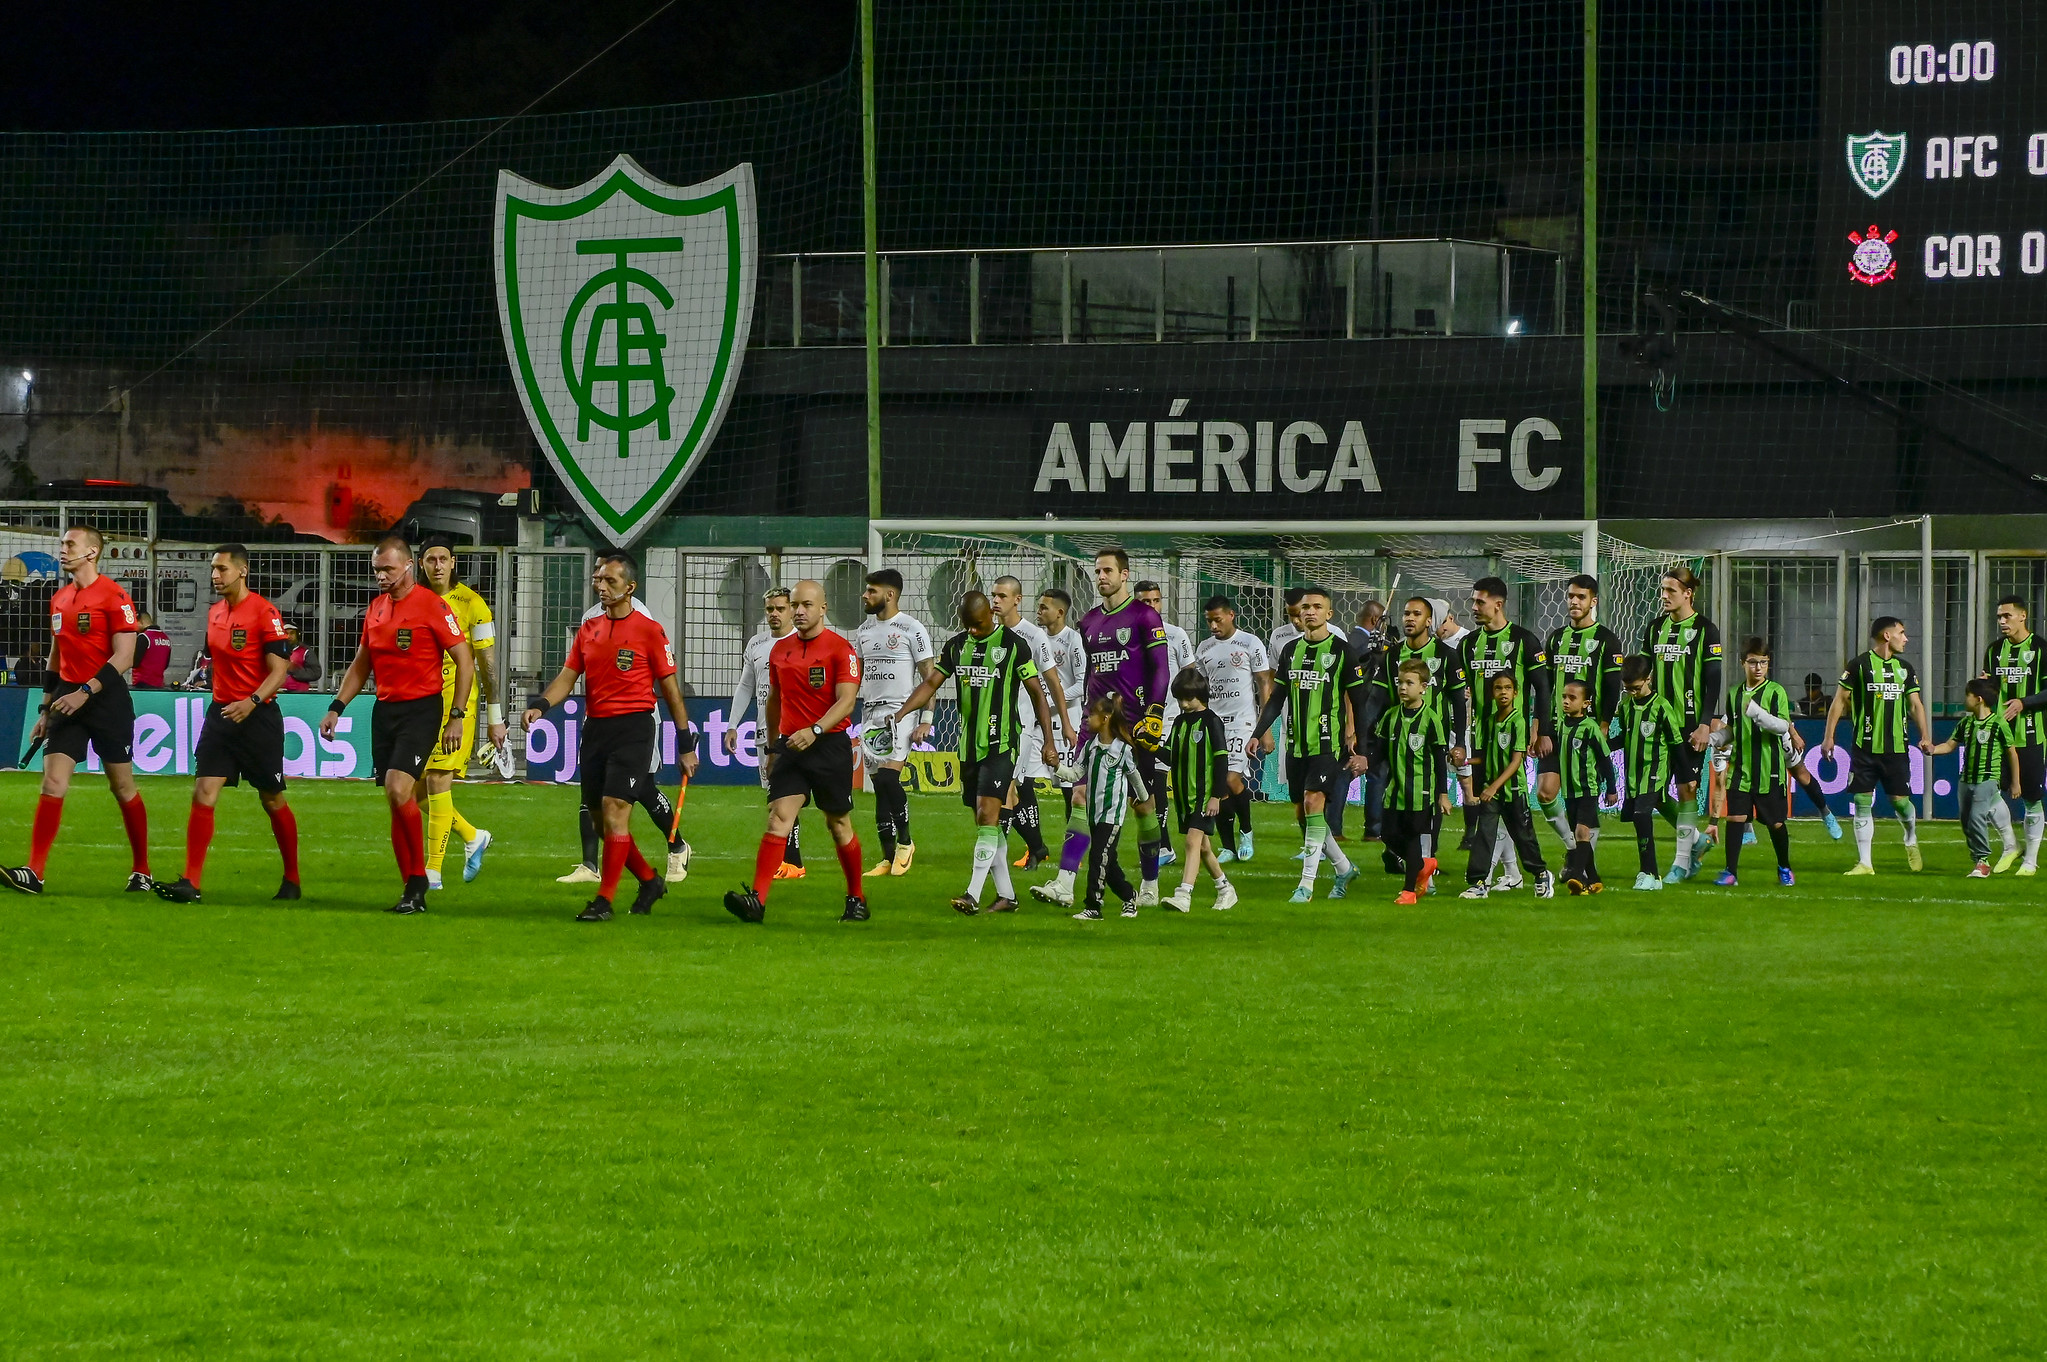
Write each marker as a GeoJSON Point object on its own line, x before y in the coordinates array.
{"type": "Point", "coordinates": [817, 730]}
{"type": "Point", "coordinates": [456, 712]}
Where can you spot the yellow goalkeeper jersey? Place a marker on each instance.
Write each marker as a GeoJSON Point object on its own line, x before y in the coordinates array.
{"type": "Point", "coordinates": [472, 612]}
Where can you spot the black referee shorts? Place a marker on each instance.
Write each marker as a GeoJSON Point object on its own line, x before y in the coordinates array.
{"type": "Point", "coordinates": [252, 749]}
{"type": "Point", "coordinates": [823, 770]}
{"type": "Point", "coordinates": [616, 754]}
{"type": "Point", "coordinates": [987, 778]}
{"type": "Point", "coordinates": [403, 734]}
{"type": "Point", "coordinates": [1323, 775]}
{"type": "Point", "coordinates": [1892, 770]}
{"type": "Point", "coordinates": [106, 722]}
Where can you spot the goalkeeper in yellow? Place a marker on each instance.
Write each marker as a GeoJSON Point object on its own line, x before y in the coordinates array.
{"type": "Point", "coordinates": [472, 612]}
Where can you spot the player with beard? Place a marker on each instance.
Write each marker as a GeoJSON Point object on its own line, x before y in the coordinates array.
{"type": "Point", "coordinates": [752, 688]}
{"type": "Point", "coordinates": [1032, 743]}
{"type": "Point", "coordinates": [1239, 682]}
{"type": "Point", "coordinates": [1126, 658]}
{"type": "Point", "coordinates": [472, 612]}
{"type": "Point", "coordinates": [1446, 691]}
{"type": "Point", "coordinates": [989, 663]}
{"type": "Point", "coordinates": [406, 631]}
{"type": "Point", "coordinates": [92, 642]}
{"type": "Point", "coordinates": [1683, 647]}
{"type": "Point", "coordinates": [1318, 684]}
{"type": "Point", "coordinates": [1580, 649]}
{"type": "Point", "coordinates": [895, 653]}
{"type": "Point", "coordinates": [1069, 656]}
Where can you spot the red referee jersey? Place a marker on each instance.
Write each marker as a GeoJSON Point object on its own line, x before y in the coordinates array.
{"type": "Point", "coordinates": [621, 660]}
{"type": "Point", "coordinates": [240, 639]}
{"type": "Point", "coordinates": [806, 673]}
{"type": "Point", "coordinates": [83, 622]}
{"type": "Point", "coordinates": [406, 639]}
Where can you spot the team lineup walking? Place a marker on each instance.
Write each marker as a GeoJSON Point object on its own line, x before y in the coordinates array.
{"type": "Point", "coordinates": [1116, 727]}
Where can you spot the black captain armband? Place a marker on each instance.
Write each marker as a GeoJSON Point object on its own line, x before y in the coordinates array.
{"type": "Point", "coordinates": [277, 647]}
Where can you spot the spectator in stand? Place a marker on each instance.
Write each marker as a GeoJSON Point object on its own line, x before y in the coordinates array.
{"type": "Point", "coordinates": [304, 672]}
{"type": "Point", "coordinates": [201, 675]}
{"type": "Point", "coordinates": [152, 654]}
{"type": "Point", "coordinates": [1814, 705]}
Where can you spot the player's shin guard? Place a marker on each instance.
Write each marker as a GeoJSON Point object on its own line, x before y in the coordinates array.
{"type": "Point", "coordinates": [440, 821]}
{"type": "Point", "coordinates": [1865, 825]}
{"type": "Point", "coordinates": [616, 845]}
{"type": "Point", "coordinates": [766, 861]}
{"type": "Point", "coordinates": [586, 823]}
{"type": "Point", "coordinates": [49, 814]}
{"type": "Point", "coordinates": [2036, 821]}
{"type": "Point", "coordinates": [198, 837]}
{"type": "Point", "coordinates": [1149, 840]}
{"type": "Point", "coordinates": [1553, 810]}
{"type": "Point", "coordinates": [135, 818]}
{"type": "Point", "coordinates": [1075, 849]}
{"type": "Point", "coordinates": [1814, 795]}
{"type": "Point", "coordinates": [284, 826]}
{"type": "Point", "coordinates": [2000, 818]}
{"type": "Point", "coordinates": [987, 851]}
{"type": "Point", "coordinates": [849, 866]}
{"type": "Point", "coordinates": [1314, 837]}
{"type": "Point", "coordinates": [1908, 819]}
{"type": "Point", "coordinates": [463, 828]}
{"type": "Point", "coordinates": [1643, 815]}
{"type": "Point", "coordinates": [1730, 842]}
{"type": "Point", "coordinates": [1025, 817]}
{"type": "Point", "coordinates": [1687, 835]}
{"type": "Point", "coordinates": [661, 809]}
{"type": "Point", "coordinates": [1004, 886]}
{"type": "Point", "coordinates": [794, 854]}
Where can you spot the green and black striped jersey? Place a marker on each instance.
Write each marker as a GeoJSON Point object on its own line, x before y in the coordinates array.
{"type": "Point", "coordinates": [1755, 755]}
{"type": "Point", "coordinates": [1650, 729]}
{"type": "Point", "coordinates": [1984, 742]}
{"type": "Point", "coordinates": [1199, 758]}
{"type": "Point", "coordinates": [989, 674]}
{"type": "Point", "coordinates": [1502, 741]}
{"type": "Point", "coordinates": [1447, 689]}
{"type": "Point", "coordinates": [1686, 655]}
{"type": "Point", "coordinates": [1590, 655]}
{"type": "Point", "coordinates": [1583, 757]}
{"type": "Point", "coordinates": [1486, 653]}
{"type": "Point", "coordinates": [1416, 748]}
{"type": "Point", "coordinates": [2019, 667]}
{"type": "Point", "coordinates": [1110, 778]}
{"type": "Point", "coordinates": [1312, 679]}
{"type": "Point", "coordinates": [1878, 690]}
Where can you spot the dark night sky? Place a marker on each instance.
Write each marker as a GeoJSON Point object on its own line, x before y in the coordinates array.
{"type": "Point", "coordinates": [258, 63]}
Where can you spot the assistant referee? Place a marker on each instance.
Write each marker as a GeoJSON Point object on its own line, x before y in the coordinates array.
{"type": "Point", "coordinates": [404, 633]}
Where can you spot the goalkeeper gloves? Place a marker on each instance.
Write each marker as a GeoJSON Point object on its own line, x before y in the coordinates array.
{"type": "Point", "coordinates": [1151, 729]}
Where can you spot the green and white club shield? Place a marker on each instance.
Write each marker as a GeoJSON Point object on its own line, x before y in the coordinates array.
{"type": "Point", "coordinates": [625, 304]}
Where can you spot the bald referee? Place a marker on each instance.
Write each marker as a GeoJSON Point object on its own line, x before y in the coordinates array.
{"type": "Point", "coordinates": [405, 631]}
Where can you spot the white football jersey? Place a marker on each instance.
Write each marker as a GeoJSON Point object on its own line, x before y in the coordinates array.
{"type": "Point", "coordinates": [1231, 666]}
{"type": "Point", "coordinates": [890, 650]}
{"type": "Point", "coordinates": [752, 686]}
{"type": "Point", "coordinates": [1069, 654]}
{"type": "Point", "coordinates": [1179, 651]}
{"type": "Point", "coordinates": [1285, 634]}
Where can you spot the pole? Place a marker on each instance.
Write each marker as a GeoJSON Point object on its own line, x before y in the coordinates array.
{"type": "Point", "coordinates": [1589, 260]}
{"type": "Point", "coordinates": [1933, 668]}
{"type": "Point", "coordinates": [871, 259]}
{"type": "Point", "coordinates": [1589, 549]}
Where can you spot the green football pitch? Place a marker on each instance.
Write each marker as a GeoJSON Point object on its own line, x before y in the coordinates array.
{"type": "Point", "coordinates": [1704, 1123]}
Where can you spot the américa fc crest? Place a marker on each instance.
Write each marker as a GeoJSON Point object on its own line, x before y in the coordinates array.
{"type": "Point", "coordinates": [1876, 161]}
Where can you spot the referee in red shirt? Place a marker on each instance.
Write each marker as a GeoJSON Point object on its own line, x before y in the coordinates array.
{"type": "Point", "coordinates": [813, 683]}
{"type": "Point", "coordinates": [623, 657]}
{"type": "Point", "coordinates": [404, 633]}
{"type": "Point", "coordinates": [243, 736]}
{"type": "Point", "coordinates": [92, 641]}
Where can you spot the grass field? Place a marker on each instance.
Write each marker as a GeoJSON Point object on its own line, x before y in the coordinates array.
{"type": "Point", "coordinates": [1705, 1123]}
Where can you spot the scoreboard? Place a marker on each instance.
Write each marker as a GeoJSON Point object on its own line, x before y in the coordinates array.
{"type": "Point", "coordinates": [1933, 180]}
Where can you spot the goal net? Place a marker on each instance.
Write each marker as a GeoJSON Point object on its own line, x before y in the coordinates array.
{"type": "Point", "coordinates": [1254, 565]}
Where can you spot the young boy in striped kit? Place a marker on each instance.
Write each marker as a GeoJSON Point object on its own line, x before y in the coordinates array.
{"type": "Point", "coordinates": [1414, 744]}
{"type": "Point", "coordinates": [1199, 762]}
{"type": "Point", "coordinates": [1650, 731]}
{"type": "Point", "coordinates": [1111, 779]}
{"type": "Point", "coordinates": [1990, 766]}
{"type": "Point", "coordinates": [1501, 729]}
{"type": "Point", "coordinates": [1758, 717]}
{"type": "Point", "coordinates": [1586, 766]}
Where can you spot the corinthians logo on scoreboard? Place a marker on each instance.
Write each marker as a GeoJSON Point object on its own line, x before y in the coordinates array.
{"type": "Point", "coordinates": [625, 304]}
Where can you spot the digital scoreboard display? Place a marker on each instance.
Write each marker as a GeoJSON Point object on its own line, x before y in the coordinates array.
{"type": "Point", "coordinates": [1933, 184]}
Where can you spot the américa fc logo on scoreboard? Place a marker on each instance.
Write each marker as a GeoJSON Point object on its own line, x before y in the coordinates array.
{"type": "Point", "coordinates": [625, 305]}
{"type": "Point", "coordinates": [1876, 161]}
